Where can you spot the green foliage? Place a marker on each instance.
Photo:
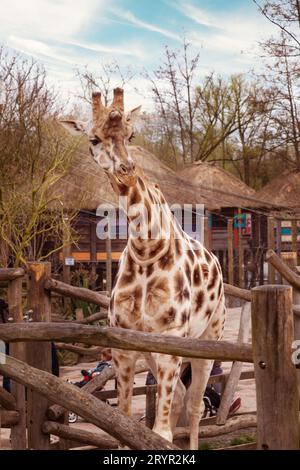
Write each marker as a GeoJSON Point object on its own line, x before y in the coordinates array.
{"type": "Point", "coordinates": [206, 446]}
{"type": "Point", "coordinates": [82, 277]}
{"type": "Point", "coordinates": [242, 440]}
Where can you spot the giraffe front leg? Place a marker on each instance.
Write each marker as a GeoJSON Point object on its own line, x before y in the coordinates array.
{"type": "Point", "coordinates": [168, 369]}
{"type": "Point", "coordinates": [201, 369]}
{"type": "Point", "coordinates": [124, 362]}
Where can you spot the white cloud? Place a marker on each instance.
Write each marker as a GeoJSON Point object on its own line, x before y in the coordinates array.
{"type": "Point", "coordinates": [197, 14]}
{"type": "Point", "coordinates": [229, 42]}
{"type": "Point", "coordinates": [128, 49]}
{"type": "Point", "coordinates": [55, 19]}
{"type": "Point", "coordinates": [132, 19]}
{"type": "Point", "coordinates": [38, 49]}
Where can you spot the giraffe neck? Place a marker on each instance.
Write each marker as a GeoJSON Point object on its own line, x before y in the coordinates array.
{"type": "Point", "coordinates": [151, 225]}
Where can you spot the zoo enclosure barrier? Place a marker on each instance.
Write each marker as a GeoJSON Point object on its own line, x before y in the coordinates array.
{"type": "Point", "coordinates": [271, 353]}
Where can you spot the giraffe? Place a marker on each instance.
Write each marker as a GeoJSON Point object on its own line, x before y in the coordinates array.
{"type": "Point", "coordinates": [168, 284]}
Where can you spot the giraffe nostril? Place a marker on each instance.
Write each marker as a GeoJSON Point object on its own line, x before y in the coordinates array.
{"type": "Point", "coordinates": [123, 169]}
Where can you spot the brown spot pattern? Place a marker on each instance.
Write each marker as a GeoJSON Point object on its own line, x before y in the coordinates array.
{"type": "Point", "coordinates": [214, 277]}
{"type": "Point", "coordinates": [169, 316]}
{"type": "Point", "coordinates": [188, 272]}
{"type": "Point", "coordinates": [196, 276]}
{"type": "Point", "coordinates": [199, 300]}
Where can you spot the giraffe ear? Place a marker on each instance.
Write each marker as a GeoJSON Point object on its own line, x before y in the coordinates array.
{"type": "Point", "coordinates": [133, 114]}
{"type": "Point", "coordinates": [74, 127]}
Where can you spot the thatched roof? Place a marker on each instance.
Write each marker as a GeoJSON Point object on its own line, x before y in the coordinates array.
{"type": "Point", "coordinates": [221, 187]}
{"type": "Point", "coordinates": [86, 184]}
{"type": "Point", "coordinates": [283, 191]}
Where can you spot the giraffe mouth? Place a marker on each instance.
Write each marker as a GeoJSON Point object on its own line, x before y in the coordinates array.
{"type": "Point", "coordinates": [127, 180]}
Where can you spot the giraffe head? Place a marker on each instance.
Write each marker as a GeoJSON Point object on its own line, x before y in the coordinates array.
{"type": "Point", "coordinates": [109, 133]}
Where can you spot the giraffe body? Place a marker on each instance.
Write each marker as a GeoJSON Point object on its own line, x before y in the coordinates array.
{"type": "Point", "coordinates": [180, 294]}
{"type": "Point", "coordinates": [167, 283]}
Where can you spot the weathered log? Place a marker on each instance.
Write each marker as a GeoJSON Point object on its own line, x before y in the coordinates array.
{"type": "Point", "coordinates": [7, 400]}
{"type": "Point", "coordinates": [271, 246]}
{"type": "Point", "coordinates": [122, 338]}
{"type": "Point", "coordinates": [8, 419]}
{"type": "Point", "coordinates": [38, 354]}
{"type": "Point", "coordinates": [17, 350]}
{"type": "Point", "coordinates": [236, 370]}
{"type": "Point", "coordinates": [109, 373]}
{"type": "Point", "coordinates": [276, 380]}
{"type": "Point", "coordinates": [9, 274]}
{"type": "Point", "coordinates": [80, 435]}
{"type": "Point", "coordinates": [123, 428]}
{"type": "Point", "coordinates": [289, 275]}
{"type": "Point", "coordinates": [78, 349]}
{"type": "Point", "coordinates": [234, 291]}
{"type": "Point", "coordinates": [113, 393]}
{"type": "Point", "coordinates": [248, 446]}
{"type": "Point", "coordinates": [55, 411]}
{"type": "Point", "coordinates": [80, 293]}
{"type": "Point", "coordinates": [150, 405]}
{"type": "Point", "coordinates": [233, 424]}
{"type": "Point", "coordinates": [92, 318]}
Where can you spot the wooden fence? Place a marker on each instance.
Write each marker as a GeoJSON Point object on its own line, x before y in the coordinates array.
{"type": "Point", "coordinates": [49, 397]}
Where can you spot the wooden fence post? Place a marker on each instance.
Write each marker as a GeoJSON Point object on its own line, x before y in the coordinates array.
{"type": "Point", "coordinates": [17, 350]}
{"type": "Point", "coordinates": [271, 246]}
{"type": "Point", "coordinates": [290, 259]}
{"type": "Point", "coordinates": [230, 257]}
{"type": "Point", "coordinates": [275, 374]}
{"type": "Point", "coordinates": [278, 245]}
{"type": "Point", "coordinates": [38, 354]}
{"type": "Point", "coordinates": [236, 370]}
{"type": "Point", "coordinates": [207, 234]}
{"type": "Point", "coordinates": [66, 253]}
{"type": "Point", "coordinates": [108, 261]}
{"type": "Point", "coordinates": [294, 238]}
{"type": "Point", "coordinates": [230, 252]}
{"type": "Point", "coordinates": [241, 252]}
{"type": "Point", "coordinates": [150, 406]}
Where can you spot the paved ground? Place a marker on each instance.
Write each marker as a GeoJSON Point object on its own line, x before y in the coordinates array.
{"type": "Point", "coordinates": [246, 388]}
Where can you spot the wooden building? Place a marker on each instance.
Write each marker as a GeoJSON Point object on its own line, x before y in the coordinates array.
{"type": "Point", "coordinates": [283, 196]}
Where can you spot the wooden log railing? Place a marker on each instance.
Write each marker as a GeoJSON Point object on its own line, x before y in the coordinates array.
{"type": "Point", "coordinates": [234, 291]}
{"type": "Point", "coordinates": [121, 338]}
{"type": "Point", "coordinates": [123, 428]}
{"type": "Point", "coordinates": [80, 435]}
{"type": "Point", "coordinates": [9, 419]}
{"type": "Point", "coordinates": [80, 293]}
{"type": "Point", "coordinates": [79, 350]}
{"type": "Point", "coordinates": [7, 400]}
{"type": "Point", "coordinates": [233, 424]}
{"type": "Point", "coordinates": [289, 275]}
{"type": "Point", "coordinates": [55, 412]}
{"type": "Point", "coordinates": [9, 274]}
{"type": "Point", "coordinates": [93, 318]}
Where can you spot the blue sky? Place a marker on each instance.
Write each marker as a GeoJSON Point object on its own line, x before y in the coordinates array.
{"type": "Point", "coordinates": [69, 34]}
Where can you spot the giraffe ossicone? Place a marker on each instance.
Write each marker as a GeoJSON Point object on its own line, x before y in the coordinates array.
{"type": "Point", "coordinates": [170, 284]}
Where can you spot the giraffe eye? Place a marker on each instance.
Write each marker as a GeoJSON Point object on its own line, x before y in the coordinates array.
{"type": "Point", "coordinates": [95, 141]}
